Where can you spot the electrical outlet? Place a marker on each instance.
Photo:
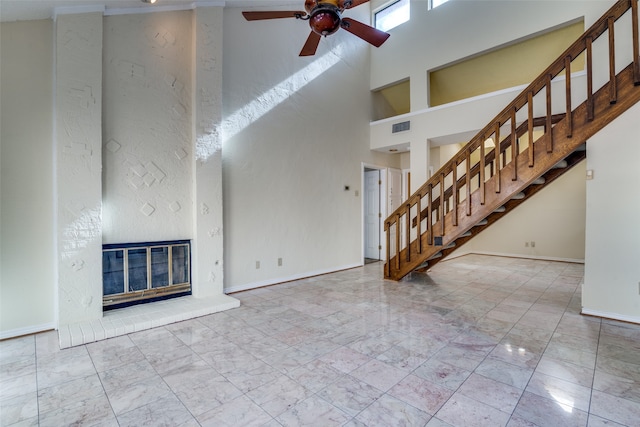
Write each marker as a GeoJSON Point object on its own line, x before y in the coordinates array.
{"type": "Point", "coordinates": [526, 244]}
{"type": "Point", "coordinates": [533, 244]}
{"type": "Point", "coordinates": [279, 262]}
{"type": "Point", "coordinates": [257, 265]}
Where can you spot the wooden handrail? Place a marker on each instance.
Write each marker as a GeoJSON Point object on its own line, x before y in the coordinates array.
{"type": "Point", "coordinates": [438, 203]}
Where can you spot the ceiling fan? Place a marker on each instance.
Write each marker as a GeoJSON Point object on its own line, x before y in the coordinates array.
{"type": "Point", "coordinates": [325, 18]}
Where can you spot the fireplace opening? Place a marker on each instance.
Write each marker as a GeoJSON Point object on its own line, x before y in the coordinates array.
{"type": "Point", "coordinates": [136, 273]}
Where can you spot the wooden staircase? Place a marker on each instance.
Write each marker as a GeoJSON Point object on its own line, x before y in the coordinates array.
{"type": "Point", "coordinates": [480, 184]}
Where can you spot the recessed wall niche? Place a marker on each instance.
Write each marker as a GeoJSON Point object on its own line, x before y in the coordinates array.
{"type": "Point", "coordinates": [503, 67]}
{"type": "Point", "coordinates": [392, 100]}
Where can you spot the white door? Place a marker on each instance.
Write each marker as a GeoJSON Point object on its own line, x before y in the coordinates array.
{"type": "Point", "coordinates": [372, 214]}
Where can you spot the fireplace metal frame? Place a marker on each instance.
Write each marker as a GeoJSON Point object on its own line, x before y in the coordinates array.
{"type": "Point", "coordinates": [149, 292]}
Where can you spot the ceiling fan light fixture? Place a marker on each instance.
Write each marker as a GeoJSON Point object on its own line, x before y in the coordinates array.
{"type": "Point", "coordinates": [325, 19]}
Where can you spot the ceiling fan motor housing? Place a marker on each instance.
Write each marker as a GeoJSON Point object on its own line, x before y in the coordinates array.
{"type": "Point", "coordinates": [325, 19]}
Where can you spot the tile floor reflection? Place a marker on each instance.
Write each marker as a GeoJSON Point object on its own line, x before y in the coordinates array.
{"type": "Point", "coordinates": [480, 341]}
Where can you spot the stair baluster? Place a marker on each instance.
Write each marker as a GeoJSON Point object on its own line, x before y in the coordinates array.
{"type": "Point", "coordinates": [613, 89]}
{"type": "Point", "coordinates": [636, 42]}
{"type": "Point", "coordinates": [590, 104]}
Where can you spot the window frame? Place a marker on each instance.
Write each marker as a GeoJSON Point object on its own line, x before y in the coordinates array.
{"type": "Point", "coordinates": [431, 6]}
{"type": "Point", "coordinates": [387, 6]}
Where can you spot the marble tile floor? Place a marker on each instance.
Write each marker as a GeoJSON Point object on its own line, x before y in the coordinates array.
{"type": "Point", "coordinates": [480, 341]}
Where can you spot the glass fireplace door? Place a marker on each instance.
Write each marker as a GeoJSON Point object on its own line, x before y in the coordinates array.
{"type": "Point", "coordinates": [136, 272]}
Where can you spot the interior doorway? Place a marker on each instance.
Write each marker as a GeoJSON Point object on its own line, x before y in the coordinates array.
{"type": "Point", "coordinates": [373, 212]}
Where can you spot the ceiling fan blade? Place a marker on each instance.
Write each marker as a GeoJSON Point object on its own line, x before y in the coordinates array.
{"type": "Point", "coordinates": [273, 14]}
{"type": "Point", "coordinates": [310, 46]}
{"type": "Point", "coordinates": [365, 32]}
{"type": "Point", "coordinates": [354, 3]}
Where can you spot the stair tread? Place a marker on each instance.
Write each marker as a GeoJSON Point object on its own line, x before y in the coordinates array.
{"type": "Point", "coordinates": [561, 164]}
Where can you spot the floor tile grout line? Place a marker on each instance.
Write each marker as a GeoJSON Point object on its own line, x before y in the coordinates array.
{"type": "Point", "coordinates": [35, 355]}
{"type": "Point", "coordinates": [161, 377]}
{"type": "Point", "coordinates": [595, 367]}
{"type": "Point", "coordinates": [101, 383]}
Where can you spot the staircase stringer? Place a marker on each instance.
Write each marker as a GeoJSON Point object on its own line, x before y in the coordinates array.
{"type": "Point", "coordinates": [549, 177]}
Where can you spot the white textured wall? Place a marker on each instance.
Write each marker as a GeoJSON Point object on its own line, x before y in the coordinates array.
{"type": "Point", "coordinates": [554, 219]}
{"type": "Point", "coordinates": [147, 135]}
{"type": "Point", "coordinates": [78, 105]}
{"type": "Point", "coordinates": [612, 267]}
{"type": "Point", "coordinates": [27, 232]}
{"type": "Point", "coordinates": [296, 133]}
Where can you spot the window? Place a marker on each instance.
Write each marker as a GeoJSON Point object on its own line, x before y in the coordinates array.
{"type": "Point", "coordinates": [436, 3]}
{"type": "Point", "coordinates": [392, 15]}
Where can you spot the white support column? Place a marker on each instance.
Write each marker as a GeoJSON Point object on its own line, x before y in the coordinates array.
{"type": "Point", "coordinates": [78, 173]}
{"type": "Point", "coordinates": [419, 163]}
{"type": "Point", "coordinates": [207, 248]}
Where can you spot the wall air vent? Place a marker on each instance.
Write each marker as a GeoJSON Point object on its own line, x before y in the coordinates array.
{"type": "Point", "coordinates": [401, 127]}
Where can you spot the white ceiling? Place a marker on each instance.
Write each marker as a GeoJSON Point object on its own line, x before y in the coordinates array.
{"type": "Point", "coordinates": [21, 10]}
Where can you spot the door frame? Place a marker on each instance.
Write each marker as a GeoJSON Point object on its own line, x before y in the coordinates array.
{"type": "Point", "coordinates": [382, 188]}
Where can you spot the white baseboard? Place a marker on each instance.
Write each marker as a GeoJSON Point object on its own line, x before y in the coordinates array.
{"type": "Point", "coordinates": [613, 316]}
{"type": "Point", "coordinates": [28, 330]}
{"type": "Point", "coordinates": [275, 281]}
{"type": "Point", "coordinates": [540, 257]}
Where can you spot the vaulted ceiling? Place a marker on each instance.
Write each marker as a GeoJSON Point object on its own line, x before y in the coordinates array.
{"type": "Point", "coordinates": [21, 10]}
